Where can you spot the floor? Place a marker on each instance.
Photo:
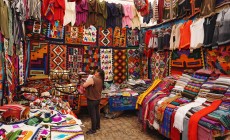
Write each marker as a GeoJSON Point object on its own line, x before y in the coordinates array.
{"type": "Point", "coordinates": [124, 127]}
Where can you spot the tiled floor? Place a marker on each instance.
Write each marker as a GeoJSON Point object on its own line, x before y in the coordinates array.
{"type": "Point", "coordinates": [124, 127]}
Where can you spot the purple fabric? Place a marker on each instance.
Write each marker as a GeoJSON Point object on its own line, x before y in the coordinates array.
{"type": "Point", "coordinates": [204, 133]}
{"type": "Point", "coordinates": [210, 121]}
{"type": "Point", "coordinates": [81, 12]}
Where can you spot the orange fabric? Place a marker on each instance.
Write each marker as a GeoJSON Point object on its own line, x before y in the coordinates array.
{"type": "Point", "coordinates": [193, 121]}
{"type": "Point", "coordinates": [185, 35]}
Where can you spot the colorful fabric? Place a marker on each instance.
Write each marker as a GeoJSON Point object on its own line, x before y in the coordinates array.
{"type": "Point", "coordinates": [145, 93]}
{"type": "Point", "coordinates": [132, 37]}
{"type": "Point", "coordinates": [106, 57]}
{"type": "Point", "coordinates": [218, 59]}
{"type": "Point", "coordinates": [71, 34]}
{"type": "Point", "coordinates": [166, 127]}
{"type": "Point", "coordinates": [90, 35]}
{"type": "Point", "coordinates": [105, 37]}
{"type": "Point", "coordinates": [21, 65]}
{"type": "Point", "coordinates": [181, 60]}
{"type": "Point", "coordinates": [133, 63]}
{"type": "Point", "coordinates": [116, 36]}
{"type": "Point", "coordinates": [67, 132]}
{"type": "Point", "coordinates": [55, 32]}
{"type": "Point", "coordinates": [58, 57]}
{"type": "Point", "coordinates": [144, 67]}
{"type": "Point", "coordinates": [159, 65]}
{"type": "Point", "coordinates": [120, 71]}
{"type": "Point", "coordinates": [38, 58]}
{"type": "Point", "coordinates": [193, 121]}
{"type": "Point", "coordinates": [123, 37]}
{"type": "Point", "coordinates": [75, 58]}
{"type": "Point", "coordinates": [91, 58]}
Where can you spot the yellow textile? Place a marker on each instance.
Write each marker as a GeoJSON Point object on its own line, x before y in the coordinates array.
{"type": "Point", "coordinates": [143, 95]}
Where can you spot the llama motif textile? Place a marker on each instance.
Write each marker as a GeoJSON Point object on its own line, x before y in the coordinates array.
{"type": "Point", "coordinates": [159, 65]}
{"type": "Point", "coordinates": [132, 37]}
{"type": "Point", "coordinates": [106, 58]}
{"type": "Point", "coordinates": [73, 132]}
{"type": "Point", "coordinates": [91, 58]}
{"type": "Point", "coordinates": [55, 32]}
{"type": "Point", "coordinates": [39, 58]}
{"type": "Point", "coordinates": [90, 35]}
{"type": "Point", "coordinates": [133, 63]}
{"type": "Point", "coordinates": [120, 70]}
{"type": "Point", "coordinates": [219, 58]}
{"type": "Point", "coordinates": [116, 36]}
{"type": "Point", "coordinates": [184, 59]}
{"type": "Point", "coordinates": [58, 57]}
{"type": "Point", "coordinates": [123, 37]}
{"type": "Point", "coordinates": [73, 34]}
{"type": "Point", "coordinates": [105, 37]}
{"type": "Point", "coordinates": [75, 58]}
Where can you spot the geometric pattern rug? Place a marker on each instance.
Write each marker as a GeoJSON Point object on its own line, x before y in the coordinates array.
{"type": "Point", "coordinates": [106, 58]}
{"type": "Point", "coordinates": [74, 34]}
{"type": "Point", "coordinates": [75, 58]}
{"type": "Point", "coordinates": [159, 65]}
{"type": "Point", "coordinates": [120, 65]}
{"type": "Point", "coordinates": [105, 37]}
{"type": "Point", "coordinates": [116, 36]}
{"type": "Point", "coordinates": [218, 59]}
{"type": "Point", "coordinates": [91, 58]}
{"type": "Point", "coordinates": [90, 35]}
{"type": "Point", "coordinates": [55, 32]}
{"type": "Point", "coordinates": [58, 57]}
{"type": "Point", "coordinates": [133, 63]}
{"type": "Point", "coordinates": [123, 37]}
{"type": "Point", "coordinates": [144, 67]}
{"type": "Point", "coordinates": [38, 58]}
{"type": "Point", "coordinates": [132, 37]}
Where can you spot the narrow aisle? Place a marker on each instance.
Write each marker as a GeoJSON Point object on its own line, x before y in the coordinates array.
{"type": "Point", "coordinates": [124, 127]}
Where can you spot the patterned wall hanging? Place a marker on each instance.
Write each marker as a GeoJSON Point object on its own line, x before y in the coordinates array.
{"type": "Point", "coordinates": [73, 34]}
{"type": "Point", "coordinates": [181, 60]}
{"type": "Point", "coordinates": [21, 65]}
{"type": "Point", "coordinates": [123, 37]}
{"type": "Point", "coordinates": [116, 36]}
{"type": "Point", "coordinates": [120, 65]}
{"type": "Point", "coordinates": [55, 32]}
{"type": "Point", "coordinates": [36, 30]}
{"type": "Point", "coordinates": [144, 67]}
{"type": "Point", "coordinates": [91, 58]}
{"type": "Point", "coordinates": [106, 58]}
{"type": "Point", "coordinates": [132, 37]}
{"type": "Point", "coordinates": [218, 58]}
{"type": "Point", "coordinates": [133, 63]}
{"type": "Point", "coordinates": [75, 58]}
{"type": "Point", "coordinates": [58, 57]}
{"type": "Point", "coordinates": [39, 58]}
{"type": "Point", "coordinates": [90, 35]}
{"type": "Point", "coordinates": [159, 65]}
{"type": "Point", "coordinates": [105, 37]}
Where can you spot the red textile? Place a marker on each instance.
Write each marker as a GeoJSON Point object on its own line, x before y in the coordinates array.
{"type": "Point", "coordinates": [53, 10]}
{"type": "Point", "coordinates": [148, 35]}
{"type": "Point", "coordinates": [175, 133]}
{"type": "Point", "coordinates": [160, 10]}
{"type": "Point", "coordinates": [193, 122]}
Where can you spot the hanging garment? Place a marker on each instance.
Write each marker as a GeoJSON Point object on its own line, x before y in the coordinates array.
{"type": "Point", "coordinates": [128, 16]}
{"type": "Point", "coordinates": [207, 7]}
{"type": "Point", "coordinates": [185, 35]}
{"type": "Point", "coordinates": [135, 20]}
{"type": "Point", "coordinates": [119, 16]}
{"type": "Point", "coordinates": [34, 7]}
{"type": "Point", "coordinates": [149, 16]}
{"type": "Point", "coordinates": [81, 12]}
{"type": "Point", "coordinates": [101, 14]}
{"type": "Point", "coordinates": [92, 13]}
{"type": "Point", "coordinates": [155, 11]}
{"type": "Point", "coordinates": [70, 13]}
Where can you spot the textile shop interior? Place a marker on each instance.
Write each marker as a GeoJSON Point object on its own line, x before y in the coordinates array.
{"type": "Point", "coordinates": [168, 60]}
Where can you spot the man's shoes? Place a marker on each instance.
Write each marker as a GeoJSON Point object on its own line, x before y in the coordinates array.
{"type": "Point", "coordinates": [90, 132]}
{"type": "Point", "coordinates": [98, 128]}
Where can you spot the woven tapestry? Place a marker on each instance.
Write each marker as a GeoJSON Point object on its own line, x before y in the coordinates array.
{"type": "Point", "coordinates": [120, 66]}
{"type": "Point", "coordinates": [73, 34]}
{"type": "Point", "coordinates": [132, 37]}
{"type": "Point", "coordinates": [39, 58]}
{"type": "Point", "coordinates": [36, 30]}
{"type": "Point", "coordinates": [219, 59]}
{"type": "Point", "coordinates": [133, 63]}
{"type": "Point", "coordinates": [144, 67]}
{"type": "Point", "coordinates": [67, 132]}
{"type": "Point", "coordinates": [184, 59]}
{"type": "Point", "coordinates": [105, 37]}
{"type": "Point", "coordinates": [75, 58]}
{"type": "Point", "coordinates": [116, 36]}
{"type": "Point", "coordinates": [58, 57]}
{"type": "Point", "coordinates": [106, 58]}
{"type": "Point", "coordinates": [91, 58]}
{"type": "Point", "coordinates": [90, 35]}
{"type": "Point", "coordinates": [123, 37]}
{"type": "Point", "coordinates": [55, 32]}
{"type": "Point", "coordinates": [159, 65]}
{"type": "Point", "coordinates": [21, 65]}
